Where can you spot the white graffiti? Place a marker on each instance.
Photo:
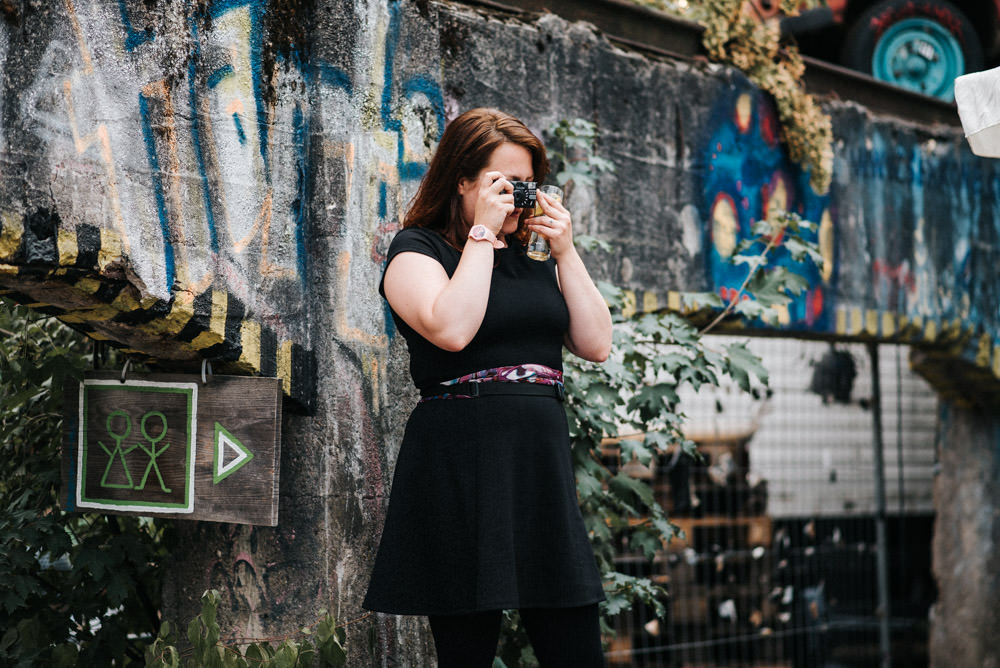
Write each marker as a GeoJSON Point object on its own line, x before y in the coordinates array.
{"type": "Point", "coordinates": [4, 45]}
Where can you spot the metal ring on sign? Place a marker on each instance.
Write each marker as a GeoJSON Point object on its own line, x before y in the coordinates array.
{"type": "Point", "coordinates": [128, 361]}
{"type": "Point", "coordinates": [205, 364]}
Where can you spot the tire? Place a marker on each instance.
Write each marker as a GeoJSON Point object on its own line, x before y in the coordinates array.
{"type": "Point", "coordinates": [920, 45]}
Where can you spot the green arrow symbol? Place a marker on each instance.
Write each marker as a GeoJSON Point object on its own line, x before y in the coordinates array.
{"type": "Point", "coordinates": [226, 443]}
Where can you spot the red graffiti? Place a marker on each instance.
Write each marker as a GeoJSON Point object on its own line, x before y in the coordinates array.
{"type": "Point", "coordinates": [769, 129]}
{"type": "Point", "coordinates": [814, 305]}
{"type": "Point", "coordinates": [383, 235]}
{"type": "Point", "coordinates": [881, 22]}
{"type": "Point", "coordinates": [730, 295]}
{"type": "Point", "coordinates": [899, 275]}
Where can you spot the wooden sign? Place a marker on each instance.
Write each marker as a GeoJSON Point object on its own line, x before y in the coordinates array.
{"type": "Point", "coordinates": [174, 446]}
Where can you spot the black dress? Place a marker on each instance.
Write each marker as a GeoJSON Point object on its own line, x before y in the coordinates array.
{"type": "Point", "coordinates": [483, 512]}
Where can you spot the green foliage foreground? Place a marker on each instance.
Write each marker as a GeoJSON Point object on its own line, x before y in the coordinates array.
{"type": "Point", "coordinates": [75, 589]}
{"type": "Point", "coordinates": [322, 643]}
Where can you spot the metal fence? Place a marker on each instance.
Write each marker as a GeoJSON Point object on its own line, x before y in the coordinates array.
{"type": "Point", "coordinates": [784, 518]}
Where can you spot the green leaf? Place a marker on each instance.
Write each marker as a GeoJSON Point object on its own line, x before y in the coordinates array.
{"type": "Point", "coordinates": [622, 484]}
{"type": "Point", "coordinates": [742, 363]}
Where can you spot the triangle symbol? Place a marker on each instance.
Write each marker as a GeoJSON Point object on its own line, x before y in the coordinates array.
{"type": "Point", "coordinates": [228, 446]}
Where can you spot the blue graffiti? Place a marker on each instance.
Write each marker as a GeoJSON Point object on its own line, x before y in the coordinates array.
{"type": "Point", "coordinates": [199, 154]}
{"type": "Point", "coordinates": [240, 134]}
{"type": "Point", "coordinates": [746, 166]}
{"type": "Point", "coordinates": [324, 73]}
{"type": "Point", "coordinates": [257, 10]}
{"type": "Point", "coordinates": [410, 87]}
{"type": "Point", "coordinates": [157, 176]}
{"type": "Point", "coordinates": [397, 92]}
{"type": "Point", "coordinates": [300, 127]}
{"type": "Point", "coordinates": [218, 75]}
{"type": "Point", "coordinates": [133, 38]}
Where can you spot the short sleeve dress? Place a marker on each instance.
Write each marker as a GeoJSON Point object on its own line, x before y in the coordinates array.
{"type": "Point", "coordinates": [483, 512]}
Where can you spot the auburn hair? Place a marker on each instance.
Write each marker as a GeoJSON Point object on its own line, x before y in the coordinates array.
{"type": "Point", "coordinates": [464, 150]}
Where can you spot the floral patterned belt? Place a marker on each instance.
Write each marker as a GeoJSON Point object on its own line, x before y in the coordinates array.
{"type": "Point", "coordinates": [533, 379]}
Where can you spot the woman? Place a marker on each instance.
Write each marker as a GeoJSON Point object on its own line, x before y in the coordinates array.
{"type": "Point", "coordinates": [483, 514]}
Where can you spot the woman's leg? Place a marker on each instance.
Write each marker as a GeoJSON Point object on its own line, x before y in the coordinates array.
{"type": "Point", "coordinates": [466, 641]}
{"type": "Point", "coordinates": [565, 637]}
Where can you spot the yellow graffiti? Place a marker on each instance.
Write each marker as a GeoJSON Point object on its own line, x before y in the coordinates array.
{"type": "Point", "coordinates": [111, 249]}
{"type": "Point", "coordinates": [649, 302]}
{"type": "Point", "coordinates": [983, 350]}
{"type": "Point", "coordinates": [88, 63]}
{"type": "Point", "coordinates": [171, 174]}
{"type": "Point", "coordinates": [66, 244]}
{"type": "Point", "coordinates": [888, 325]}
{"type": "Point", "coordinates": [724, 226]}
{"type": "Point", "coordinates": [10, 234]}
{"type": "Point", "coordinates": [674, 301]}
{"type": "Point", "coordinates": [931, 331]}
{"type": "Point", "coordinates": [628, 303]}
{"type": "Point", "coordinates": [826, 245]}
{"type": "Point", "coordinates": [216, 332]}
{"type": "Point", "coordinates": [250, 344]}
{"type": "Point", "coordinates": [181, 312]}
{"type": "Point", "coordinates": [871, 322]}
{"type": "Point", "coordinates": [344, 328]}
{"type": "Point", "coordinates": [284, 365]}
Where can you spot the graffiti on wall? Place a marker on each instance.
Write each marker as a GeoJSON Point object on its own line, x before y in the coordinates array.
{"type": "Point", "coordinates": [747, 174]}
{"type": "Point", "coordinates": [916, 218]}
{"type": "Point", "coordinates": [929, 215]}
{"type": "Point", "coordinates": [210, 165]}
{"type": "Point", "coordinates": [4, 44]}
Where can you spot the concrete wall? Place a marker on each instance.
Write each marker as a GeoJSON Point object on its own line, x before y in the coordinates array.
{"type": "Point", "coordinates": [221, 179]}
{"type": "Point", "coordinates": [964, 621]}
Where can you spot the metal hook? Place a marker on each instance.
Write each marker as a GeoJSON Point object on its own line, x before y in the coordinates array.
{"type": "Point", "coordinates": [128, 362]}
{"type": "Point", "coordinates": [205, 364]}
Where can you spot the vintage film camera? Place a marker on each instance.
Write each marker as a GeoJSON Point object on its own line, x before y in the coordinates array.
{"type": "Point", "coordinates": [524, 194]}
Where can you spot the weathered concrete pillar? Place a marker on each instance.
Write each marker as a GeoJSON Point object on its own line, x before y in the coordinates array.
{"type": "Point", "coordinates": [965, 621]}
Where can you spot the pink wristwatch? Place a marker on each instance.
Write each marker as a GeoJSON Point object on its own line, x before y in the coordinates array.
{"type": "Point", "coordinates": [482, 233]}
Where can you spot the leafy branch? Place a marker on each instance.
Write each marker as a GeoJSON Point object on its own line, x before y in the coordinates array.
{"type": "Point", "coordinates": [769, 287]}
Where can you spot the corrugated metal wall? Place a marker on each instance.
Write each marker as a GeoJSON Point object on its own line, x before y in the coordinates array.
{"type": "Point", "coordinates": [779, 564]}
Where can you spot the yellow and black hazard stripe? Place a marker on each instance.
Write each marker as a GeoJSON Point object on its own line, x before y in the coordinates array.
{"type": "Point", "coordinates": [72, 267]}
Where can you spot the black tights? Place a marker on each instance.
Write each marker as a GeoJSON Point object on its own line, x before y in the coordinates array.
{"type": "Point", "coordinates": [569, 637]}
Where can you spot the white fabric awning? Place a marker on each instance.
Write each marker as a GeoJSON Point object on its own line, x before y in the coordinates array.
{"type": "Point", "coordinates": [978, 98]}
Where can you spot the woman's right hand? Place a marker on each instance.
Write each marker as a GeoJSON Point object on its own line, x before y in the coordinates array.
{"type": "Point", "coordinates": [495, 201]}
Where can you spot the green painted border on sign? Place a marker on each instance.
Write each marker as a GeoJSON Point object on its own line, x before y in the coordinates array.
{"type": "Point", "coordinates": [145, 387]}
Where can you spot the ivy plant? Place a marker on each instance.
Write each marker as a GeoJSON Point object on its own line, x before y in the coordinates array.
{"type": "Point", "coordinates": [75, 589]}
{"type": "Point", "coordinates": [321, 643]}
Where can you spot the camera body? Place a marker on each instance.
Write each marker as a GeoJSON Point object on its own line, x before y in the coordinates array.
{"type": "Point", "coordinates": [524, 194]}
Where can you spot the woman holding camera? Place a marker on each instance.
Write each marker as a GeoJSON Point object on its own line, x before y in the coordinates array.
{"type": "Point", "coordinates": [483, 513]}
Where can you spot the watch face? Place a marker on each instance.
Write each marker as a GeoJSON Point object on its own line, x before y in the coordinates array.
{"type": "Point", "coordinates": [478, 232]}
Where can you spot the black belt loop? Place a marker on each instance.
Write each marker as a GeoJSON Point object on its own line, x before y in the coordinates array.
{"type": "Point", "coordinates": [477, 390]}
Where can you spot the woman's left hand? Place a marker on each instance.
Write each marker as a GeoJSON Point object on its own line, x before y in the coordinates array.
{"type": "Point", "coordinates": [555, 224]}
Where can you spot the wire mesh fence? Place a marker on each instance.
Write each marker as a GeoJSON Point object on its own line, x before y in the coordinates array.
{"type": "Point", "coordinates": [783, 517]}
